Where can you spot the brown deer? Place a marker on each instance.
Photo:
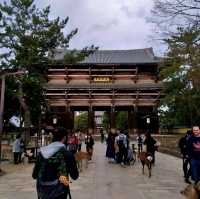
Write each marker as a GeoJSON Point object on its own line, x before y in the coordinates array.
{"type": "Point", "coordinates": [146, 159]}
{"type": "Point", "coordinates": [192, 191]}
{"type": "Point", "coordinates": [80, 156]}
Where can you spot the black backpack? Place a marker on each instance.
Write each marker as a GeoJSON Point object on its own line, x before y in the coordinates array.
{"type": "Point", "coordinates": [183, 145]}
{"type": "Point", "coordinates": [48, 190]}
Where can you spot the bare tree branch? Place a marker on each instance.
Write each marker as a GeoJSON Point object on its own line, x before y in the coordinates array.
{"type": "Point", "coordinates": [176, 10]}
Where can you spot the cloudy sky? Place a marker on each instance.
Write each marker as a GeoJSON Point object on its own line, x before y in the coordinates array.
{"type": "Point", "coordinates": [109, 24]}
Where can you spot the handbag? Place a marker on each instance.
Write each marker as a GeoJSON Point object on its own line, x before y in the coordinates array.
{"type": "Point", "coordinates": [52, 190]}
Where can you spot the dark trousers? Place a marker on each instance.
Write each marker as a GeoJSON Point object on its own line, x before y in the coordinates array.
{"type": "Point", "coordinates": [79, 147]}
{"type": "Point", "coordinates": [64, 196]}
{"type": "Point", "coordinates": [153, 156]}
{"type": "Point", "coordinates": [122, 156]}
{"type": "Point", "coordinates": [16, 157]}
{"type": "Point", "coordinates": [186, 168]}
{"type": "Point", "coordinates": [139, 148]}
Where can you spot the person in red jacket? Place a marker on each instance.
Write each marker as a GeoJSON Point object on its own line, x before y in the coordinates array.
{"type": "Point", "coordinates": [72, 143]}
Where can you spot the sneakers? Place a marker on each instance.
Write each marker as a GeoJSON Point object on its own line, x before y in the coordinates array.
{"type": "Point", "coordinates": [122, 164]}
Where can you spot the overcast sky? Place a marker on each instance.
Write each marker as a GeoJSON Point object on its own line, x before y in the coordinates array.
{"type": "Point", "coordinates": [109, 24]}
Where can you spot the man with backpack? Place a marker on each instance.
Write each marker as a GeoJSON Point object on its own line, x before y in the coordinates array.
{"type": "Point", "coordinates": [122, 143]}
{"type": "Point", "coordinates": [53, 167]}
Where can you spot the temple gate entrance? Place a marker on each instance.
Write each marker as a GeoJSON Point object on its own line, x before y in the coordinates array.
{"type": "Point", "coordinates": [111, 81]}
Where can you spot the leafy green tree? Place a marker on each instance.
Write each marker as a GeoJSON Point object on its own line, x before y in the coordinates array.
{"type": "Point", "coordinates": [28, 40]}
{"type": "Point", "coordinates": [122, 120]}
{"type": "Point", "coordinates": [81, 121]}
{"type": "Point", "coordinates": [181, 78]}
{"type": "Point", "coordinates": [178, 24]}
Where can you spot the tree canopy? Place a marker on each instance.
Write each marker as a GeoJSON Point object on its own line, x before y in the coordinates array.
{"type": "Point", "coordinates": [181, 76]}
{"type": "Point", "coordinates": [81, 121]}
{"type": "Point", "coordinates": [27, 37]}
{"type": "Point", "coordinates": [121, 120]}
{"type": "Point", "coordinates": [180, 69]}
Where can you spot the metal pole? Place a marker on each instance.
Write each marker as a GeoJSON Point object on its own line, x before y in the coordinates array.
{"type": "Point", "coordinates": [2, 110]}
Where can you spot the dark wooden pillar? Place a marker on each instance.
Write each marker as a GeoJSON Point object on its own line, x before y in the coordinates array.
{"type": "Point", "coordinates": [155, 120]}
{"type": "Point", "coordinates": [90, 120]}
{"type": "Point", "coordinates": [132, 120]}
{"type": "Point", "coordinates": [112, 120]}
{"type": "Point", "coordinates": [69, 119]}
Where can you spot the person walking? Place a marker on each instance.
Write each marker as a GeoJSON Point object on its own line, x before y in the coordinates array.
{"type": "Point", "coordinates": [184, 152]}
{"type": "Point", "coordinates": [139, 142]}
{"type": "Point", "coordinates": [17, 149]}
{"type": "Point", "coordinates": [150, 143]}
{"type": "Point", "coordinates": [193, 147]}
{"type": "Point", "coordinates": [122, 144]}
{"type": "Point", "coordinates": [80, 139]}
{"type": "Point", "coordinates": [72, 143]}
{"type": "Point", "coordinates": [102, 136]}
{"type": "Point", "coordinates": [89, 142]}
{"type": "Point", "coordinates": [110, 150]}
{"type": "Point", "coordinates": [53, 167]}
{"type": "Point", "coordinates": [22, 149]}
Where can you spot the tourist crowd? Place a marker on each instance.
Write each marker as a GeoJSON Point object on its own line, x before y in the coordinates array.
{"type": "Point", "coordinates": [56, 162]}
{"type": "Point", "coordinates": [119, 149]}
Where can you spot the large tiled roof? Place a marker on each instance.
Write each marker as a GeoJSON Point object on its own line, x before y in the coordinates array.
{"type": "Point", "coordinates": [135, 56]}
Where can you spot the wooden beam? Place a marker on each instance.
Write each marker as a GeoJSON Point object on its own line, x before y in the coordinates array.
{"type": "Point", "coordinates": [56, 69]}
{"type": "Point", "coordinates": [109, 94]}
{"type": "Point", "coordinates": [56, 75]}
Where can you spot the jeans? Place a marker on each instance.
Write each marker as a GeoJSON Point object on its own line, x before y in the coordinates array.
{"type": "Point", "coordinates": [195, 167]}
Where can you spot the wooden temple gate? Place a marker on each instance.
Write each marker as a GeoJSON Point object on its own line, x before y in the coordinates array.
{"type": "Point", "coordinates": [107, 81]}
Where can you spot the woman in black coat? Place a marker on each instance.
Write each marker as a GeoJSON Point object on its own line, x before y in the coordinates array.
{"type": "Point", "coordinates": [150, 145]}
{"type": "Point", "coordinates": [110, 151]}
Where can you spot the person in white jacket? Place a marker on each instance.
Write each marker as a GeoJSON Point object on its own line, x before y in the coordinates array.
{"type": "Point", "coordinates": [17, 149]}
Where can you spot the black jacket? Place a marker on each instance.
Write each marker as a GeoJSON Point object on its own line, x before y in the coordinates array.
{"type": "Point", "coordinates": [150, 143]}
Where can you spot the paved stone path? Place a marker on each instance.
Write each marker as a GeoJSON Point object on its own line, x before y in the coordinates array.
{"type": "Point", "coordinates": [107, 181]}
